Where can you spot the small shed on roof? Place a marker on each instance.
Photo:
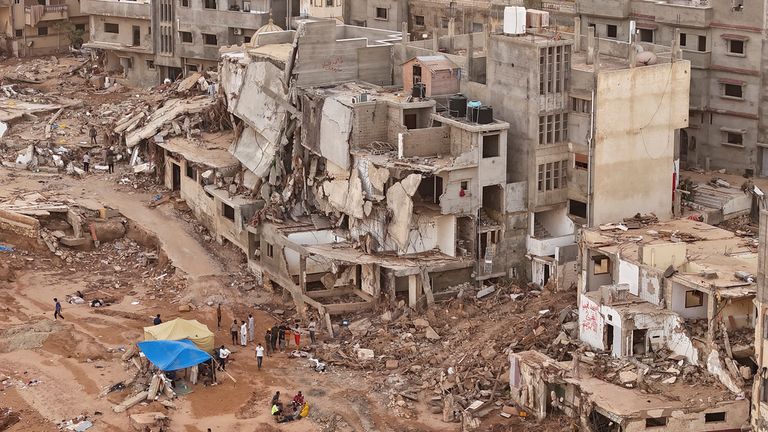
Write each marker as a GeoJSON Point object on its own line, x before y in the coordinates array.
{"type": "Point", "coordinates": [438, 73]}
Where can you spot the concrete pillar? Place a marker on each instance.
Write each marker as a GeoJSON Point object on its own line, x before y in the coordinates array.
{"type": "Point", "coordinates": [451, 34]}
{"type": "Point", "coordinates": [405, 33]}
{"type": "Point", "coordinates": [677, 52]}
{"type": "Point", "coordinates": [391, 288]}
{"type": "Point", "coordinates": [435, 41]}
{"type": "Point", "coordinates": [591, 46]}
{"type": "Point", "coordinates": [486, 37]}
{"type": "Point", "coordinates": [303, 273]}
{"type": "Point", "coordinates": [632, 57]}
{"type": "Point", "coordinates": [577, 34]}
{"type": "Point", "coordinates": [470, 48]}
{"type": "Point", "coordinates": [711, 311]}
{"type": "Point", "coordinates": [413, 288]}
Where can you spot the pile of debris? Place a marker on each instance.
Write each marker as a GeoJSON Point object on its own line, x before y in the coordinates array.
{"type": "Point", "coordinates": [445, 357]}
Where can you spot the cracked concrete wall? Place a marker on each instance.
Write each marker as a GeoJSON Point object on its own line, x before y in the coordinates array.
{"type": "Point", "coordinates": [400, 204]}
{"type": "Point", "coordinates": [427, 142]}
{"type": "Point", "coordinates": [452, 201]}
{"type": "Point", "coordinates": [254, 151]}
{"type": "Point", "coordinates": [335, 128]}
{"type": "Point", "coordinates": [369, 123]}
{"type": "Point", "coordinates": [260, 99]}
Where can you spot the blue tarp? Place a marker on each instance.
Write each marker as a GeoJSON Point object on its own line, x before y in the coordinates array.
{"type": "Point", "coordinates": [173, 355]}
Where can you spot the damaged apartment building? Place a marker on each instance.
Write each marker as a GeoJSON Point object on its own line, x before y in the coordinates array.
{"type": "Point", "coordinates": [41, 27]}
{"type": "Point", "coordinates": [340, 187]}
{"type": "Point", "coordinates": [593, 126]}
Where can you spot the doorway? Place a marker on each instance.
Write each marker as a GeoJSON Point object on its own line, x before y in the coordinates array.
{"type": "Point", "coordinates": [136, 35]}
{"type": "Point", "coordinates": [609, 337]}
{"type": "Point", "coordinates": [683, 148]}
{"type": "Point", "coordinates": [175, 176]}
{"type": "Point", "coordinates": [416, 74]}
{"type": "Point", "coordinates": [639, 337]}
{"type": "Point", "coordinates": [763, 161]}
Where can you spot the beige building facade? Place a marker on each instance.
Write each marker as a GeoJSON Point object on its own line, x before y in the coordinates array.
{"type": "Point", "coordinates": [41, 27]}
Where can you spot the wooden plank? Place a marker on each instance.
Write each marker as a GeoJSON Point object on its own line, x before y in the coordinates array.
{"type": "Point", "coordinates": [427, 285]}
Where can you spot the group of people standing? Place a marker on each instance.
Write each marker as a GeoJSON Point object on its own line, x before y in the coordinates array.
{"type": "Point", "coordinates": [244, 332]}
{"type": "Point", "coordinates": [277, 337]}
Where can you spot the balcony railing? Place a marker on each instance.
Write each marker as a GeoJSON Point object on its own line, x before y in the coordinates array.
{"type": "Point", "coordinates": [37, 13]}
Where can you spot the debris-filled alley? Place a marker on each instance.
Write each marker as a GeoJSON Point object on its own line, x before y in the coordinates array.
{"type": "Point", "coordinates": [338, 228]}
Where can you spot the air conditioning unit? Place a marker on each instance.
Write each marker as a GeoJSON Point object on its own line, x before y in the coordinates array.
{"type": "Point", "coordinates": [238, 31]}
{"type": "Point", "coordinates": [514, 20]}
{"type": "Point", "coordinates": [537, 19]}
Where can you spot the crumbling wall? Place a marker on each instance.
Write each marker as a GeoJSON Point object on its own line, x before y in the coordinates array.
{"type": "Point", "coordinates": [426, 142]}
{"type": "Point", "coordinates": [19, 225]}
{"type": "Point", "coordinates": [369, 123]}
{"type": "Point", "coordinates": [453, 201]}
{"type": "Point", "coordinates": [651, 286]}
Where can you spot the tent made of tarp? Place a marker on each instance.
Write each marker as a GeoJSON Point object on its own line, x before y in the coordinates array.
{"type": "Point", "coordinates": [170, 355]}
{"type": "Point", "coordinates": [179, 329]}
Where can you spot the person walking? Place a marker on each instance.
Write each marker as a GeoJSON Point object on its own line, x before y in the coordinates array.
{"type": "Point", "coordinates": [312, 327]}
{"type": "Point", "coordinates": [243, 334]}
{"type": "Point", "coordinates": [268, 341]}
{"type": "Point", "coordinates": [233, 331]}
{"type": "Point", "coordinates": [251, 328]}
{"type": "Point", "coordinates": [57, 309]}
{"type": "Point", "coordinates": [297, 333]}
{"type": "Point", "coordinates": [86, 162]}
{"type": "Point", "coordinates": [157, 320]}
{"type": "Point", "coordinates": [281, 337]}
{"type": "Point", "coordinates": [218, 316]}
{"type": "Point", "coordinates": [92, 134]}
{"type": "Point", "coordinates": [110, 161]}
{"type": "Point", "coordinates": [259, 354]}
{"type": "Point", "coordinates": [223, 355]}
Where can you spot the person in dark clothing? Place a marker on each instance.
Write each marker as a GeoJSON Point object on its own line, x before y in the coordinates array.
{"type": "Point", "coordinates": [281, 337]}
{"type": "Point", "coordinates": [57, 310]}
{"type": "Point", "coordinates": [111, 161]}
{"type": "Point", "coordinates": [218, 316]}
{"type": "Point", "coordinates": [233, 330]}
{"type": "Point", "coordinates": [157, 320]}
{"type": "Point", "coordinates": [275, 399]}
{"type": "Point", "coordinates": [273, 334]}
{"type": "Point", "coordinates": [268, 342]}
{"type": "Point", "coordinates": [92, 134]}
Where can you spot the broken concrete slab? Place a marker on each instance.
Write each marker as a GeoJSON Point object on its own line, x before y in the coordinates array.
{"type": "Point", "coordinates": [486, 291]}
{"type": "Point", "coordinates": [365, 354]}
{"type": "Point", "coordinates": [420, 323]}
{"type": "Point", "coordinates": [431, 334]}
{"type": "Point", "coordinates": [627, 377]}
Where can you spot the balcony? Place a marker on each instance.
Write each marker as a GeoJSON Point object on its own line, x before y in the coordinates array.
{"type": "Point", "coordinates": [546, 246]}
{"type": "Point", "coordinates": [113, 8]}
{"type": "Point", "coordinates": [223, 19]}
{"type": "Point", "coordinates": [38, 13]}
{"type": "Point", "coordinates": [682, 14]}
{"type": "Point", "coordinates": [698, 59]}
{"type": "Point", "coordinates": [602, 8]}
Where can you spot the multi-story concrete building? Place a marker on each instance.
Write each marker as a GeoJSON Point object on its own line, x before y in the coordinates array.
{"type": "Point", "coordinates": [724, 41]}
{"type": "Point", "coordinates": [150, 41]}
{"type": "Point", "coordinates": [41, 27]}
{"type": "Point", "coordinates": [378, 14]}
{"type": "Point", "coordinates": [760, 389]}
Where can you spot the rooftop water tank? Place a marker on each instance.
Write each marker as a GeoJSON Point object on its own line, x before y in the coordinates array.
{"type": "Point", "coordinates": [457, 105]}
{"type": "Point", "coordinates": [514, 20]}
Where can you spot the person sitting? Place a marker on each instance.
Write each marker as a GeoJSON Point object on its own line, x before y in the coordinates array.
{"type": "Point", "coordinates": [277, 411]}
{"type": "Point", "coordinates": [275, 399]}
{"type": "Point", "coordinates": [304, 410]}
{"type": "Point", "coordinates": [298, 400]}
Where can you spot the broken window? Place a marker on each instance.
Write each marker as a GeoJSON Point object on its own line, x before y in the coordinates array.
{"type": "Point", "coordinates": [382, 13]}
{"type": "Point", "coordinates": [491, 146]}
{"type": "Point", "coordinates": [185, 36]}
{"type": "Point", "coordinates": [602, 264]}
{"type": "Point", "coordinates": [111, 28]}
{"type": "Point", "coordinates": [694, 298]}
{"type": "Point", "coordinates": [150, 64]}
{"type": "Point", "coordinates": [611, 31]}
{"type": "Point", "coordinates": [583, 106]}
{"type": "Point", "coordinates": [714, 417]}
{"type": "Point", "coordinates": [190, 171]}
{"type": "Point", "coordinates": [580, 161]}
{"type": "Point", "coordinates": [653, 422]}
{"type": "Point", "coordinates": [228, 211]}
{"type": "Point", "coordinates": [733, 90]}
{"type": "Point", "coordinates": [577, 208]}
{"type": "Point", "coordinates": [552, 176]}
{"type": "Point", "coordinates": [418, 20]}
{"type": "Point", "coordinates": [270, 250]}
{"type": "Point", "coordinates": [209, 39]}
{"type": "Point", "coordinates": [646, 35]}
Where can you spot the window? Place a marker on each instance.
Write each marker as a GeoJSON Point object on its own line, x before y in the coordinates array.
{"type": "Point", "coordinates": [646, 35]}
{"type": "Point", "coordinates": [733, 138]}
{"type": "Point", "coordinates": [702, 43]}
{"type": "Point", "coordinates": [19, 33]}
{"type": "Point", "coordinates": [270, 250]}
{"type": "Point", "coordinates": [111, 28]}
{"type": "Point", "coordinates": [551, 176]}
{"type": "Point", "coordinates": [763, 389]}
{"type": "Point", "coordinates": [653, 422]}
{"type": "Point", "coordinates": [16, 1]}
{"type": "Point", "coordinates": [765, 326]}
{"type": "Point", "coordinates": [150, 64]}
{"type": "Point", "coordinates": [683, 39]}
{"type": "Point", "coordinates": [329, 3]}
{"type": "Point", "coordinates": [602, 265]}
{"type": "Point", "coordinates": [583, 106]}
{"type": "Point", "coordinates": [190, 171]}
{"type": "Point", "coordinates": [209, 4]}
{"type": "Point", "coordinates": [733, 90]}
{"type": "Point", "coordinates": [714, 417]}
{"type": "Point", "coordinates": [80, 27]}
{"type": "Point", "coordinates": [192, 68]}
{"type": "Point", "coordinates": [464, 185]}
{"type": "Point", "coordinates": [185, 36]}
{"type": "Point", "coordinates": [228, 211]}
{"type": "Point", "coordinates": [554, 69]}
{"type": "Point", "coordinates": [577, 208]}
{"type": "Point", "coordinates": [418, 20]}
{"type": "Point", "coordinates": [42, 31]}
{"type": "Point", "coordinates": [553, 128]}
{"type": "Point", "coordinates": [580, 161]}
{"type": "Point", "coordinates": [209, 39]}
{"type": "Point", "coordinates": [611, 31]}
{"type": "Point", "coordinates": [477, 27]}
{"type": "Point", "coordinates": [491, 146]}
{"type": "Point", "coordinates": [694, 298]}
{"type": "Point", "coordinates": [382, 13]}
{"type": "Point", "coordinates": [736, 47]}
{"type": "Point", "coordinates": [247, 39]}
{"type": "Point", "coordinates": [444, 23]}
{"type": "Point", "coordinates": [184, 3]}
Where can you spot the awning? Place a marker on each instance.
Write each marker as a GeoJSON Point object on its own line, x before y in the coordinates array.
{"type": "Point", "coordinates": [173, 355]}
{"type": "Point", "coordinates": [180, 329]}
{"type": "Point", "coordinates": [731, 36]}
